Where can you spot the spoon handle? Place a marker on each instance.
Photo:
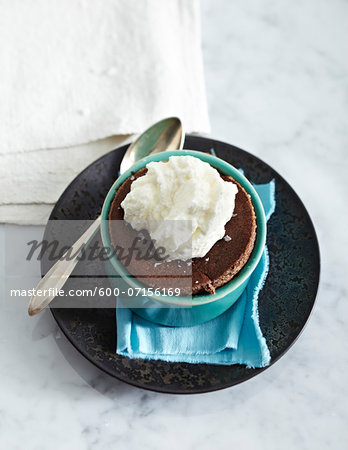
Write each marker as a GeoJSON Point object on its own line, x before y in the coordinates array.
{"type": "Point", "coordinates": [57, 276]}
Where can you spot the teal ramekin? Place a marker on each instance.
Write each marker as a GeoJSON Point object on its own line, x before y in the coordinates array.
{"type": "Point", "coordinates": [185, 311]}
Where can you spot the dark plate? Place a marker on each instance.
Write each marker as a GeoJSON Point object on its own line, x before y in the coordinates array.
{"type": "Point", "coordinates": [285, 302]}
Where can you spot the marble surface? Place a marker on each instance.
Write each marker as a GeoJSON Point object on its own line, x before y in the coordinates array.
{"type": "Point", "coordinates": [277, 79]}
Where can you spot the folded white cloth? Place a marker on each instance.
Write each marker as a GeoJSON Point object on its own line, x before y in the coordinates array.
{"type": "Point", "coordinates": [32, 181]}
{"type": "Point", "coordinates": [75, 71]}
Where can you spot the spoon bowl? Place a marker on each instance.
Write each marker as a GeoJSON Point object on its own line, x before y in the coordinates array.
{"type": "Point", "coordinates": [165, 135]}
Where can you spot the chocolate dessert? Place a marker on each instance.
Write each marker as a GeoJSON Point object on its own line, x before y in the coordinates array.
{"type": "Point", "coordinates": [222, 262]}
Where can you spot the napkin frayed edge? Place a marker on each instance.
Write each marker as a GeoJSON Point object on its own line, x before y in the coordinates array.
{"type": "Point", "coordinates": [265, 357]}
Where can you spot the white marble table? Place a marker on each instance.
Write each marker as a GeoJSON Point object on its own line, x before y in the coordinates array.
{"type": "Point", "coordinates": [277, 78]}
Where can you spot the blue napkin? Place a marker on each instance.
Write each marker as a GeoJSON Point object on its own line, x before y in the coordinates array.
{"type": "Point", "coordinates": [235, 337]}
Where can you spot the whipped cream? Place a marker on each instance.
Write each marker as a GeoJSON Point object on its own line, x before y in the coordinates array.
{"type": "Point", "coordinates": [183, 203]}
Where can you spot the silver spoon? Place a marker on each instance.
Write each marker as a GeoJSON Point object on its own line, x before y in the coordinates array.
{"type": "Point", "coordinates": [164, 135]}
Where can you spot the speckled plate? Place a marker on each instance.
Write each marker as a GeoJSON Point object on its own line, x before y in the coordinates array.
{"type": "Point", "coordinates": [285, 302]}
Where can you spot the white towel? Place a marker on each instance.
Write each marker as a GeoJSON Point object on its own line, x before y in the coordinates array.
{"type": "Point", "coordinates": [75, 71]}
{"type": "Point", "coordinates": [32, 181]}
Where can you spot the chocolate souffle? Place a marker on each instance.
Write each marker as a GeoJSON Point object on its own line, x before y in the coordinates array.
{"type": "Point", "coordinates": [222, 262]}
